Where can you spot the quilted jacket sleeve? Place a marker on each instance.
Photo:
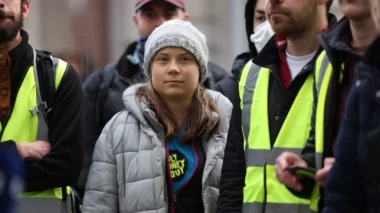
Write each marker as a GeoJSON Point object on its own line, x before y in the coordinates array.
{"type": "Point", "coordinates": [101, 193]}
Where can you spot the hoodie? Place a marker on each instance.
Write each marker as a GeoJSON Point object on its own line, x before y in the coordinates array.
{"type": "Point", "coordinates": [225, 85]}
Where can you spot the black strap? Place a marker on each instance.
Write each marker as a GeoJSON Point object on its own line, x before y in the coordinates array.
{"type": "Point", "coordinates": [108, 75]}
{"type": "Point", "coordinates": [46, 65]}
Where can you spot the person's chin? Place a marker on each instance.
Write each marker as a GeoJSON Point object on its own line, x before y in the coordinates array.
{"type": "Point", "coordinates": [354, 13]}
{"type": "Point", "coordinates": [282, 29]}
{"type": "Point", "coordinates": [279, 25]}
{"type": "Point", "coordinates": [174, 93]}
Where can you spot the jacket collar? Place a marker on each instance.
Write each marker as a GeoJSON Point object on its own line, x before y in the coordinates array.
{"type": "Point", "coordinates": [269, 55]}
{"type": "Point", "coordinates": [21, 50]}
{"type": "Point", "coordinates": [371, 55]}
{"type": "Point", "coordinates": [124, 67]}
{"type": "Point", "coordinates": [338, 37]}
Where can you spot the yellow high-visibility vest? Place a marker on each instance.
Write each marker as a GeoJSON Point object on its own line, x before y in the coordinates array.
{"type": "Point", "coordinates": [262, 191]}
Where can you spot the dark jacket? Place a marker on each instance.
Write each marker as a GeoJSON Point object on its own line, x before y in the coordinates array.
{"type": "Point", "coordinates": [62, 165]}
{"type": "Point", "coordinates": [98, 111]}
{"type": "Point", "coordinates": [353, 184]}
{"type": "Point", "coordinates": [225, 86]}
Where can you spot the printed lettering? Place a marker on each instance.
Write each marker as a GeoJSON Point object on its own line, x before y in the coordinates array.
{"type": "Point", "coordinates": [177, 166]}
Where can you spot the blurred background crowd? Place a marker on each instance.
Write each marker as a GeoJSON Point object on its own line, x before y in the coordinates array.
{"type": "Point", "coordinates": [92, 33]}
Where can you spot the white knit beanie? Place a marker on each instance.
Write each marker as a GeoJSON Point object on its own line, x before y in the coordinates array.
{"type": "Point", "coordinates": [177, 33]}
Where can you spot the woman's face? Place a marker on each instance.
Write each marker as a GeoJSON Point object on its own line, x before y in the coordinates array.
{"type": "Point", "coordinates": [175, 73]}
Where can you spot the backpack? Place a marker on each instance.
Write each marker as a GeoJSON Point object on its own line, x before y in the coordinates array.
{"type": "Point", "coordinates": [108, 75]}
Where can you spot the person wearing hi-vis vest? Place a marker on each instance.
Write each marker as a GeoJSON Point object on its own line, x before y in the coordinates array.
{"type": "Point", "coordinates": [273, 114]}
{"type": "Point", "coordinates": [41, 112]}
{"type": "Point", "coordinates": [344, 45]}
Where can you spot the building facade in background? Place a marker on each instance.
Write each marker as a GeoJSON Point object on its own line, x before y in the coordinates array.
{"type": "Point", "coordinates": [91, 33]}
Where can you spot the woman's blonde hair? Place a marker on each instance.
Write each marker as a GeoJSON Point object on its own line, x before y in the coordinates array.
{"type": "Point", "coordinates": [198, 121]}
{"type": "Point", "coordinates": [375, 4]}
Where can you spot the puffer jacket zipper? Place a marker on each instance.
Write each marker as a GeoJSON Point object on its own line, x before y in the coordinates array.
{"type": "Point", "coordinates": [173, 198]}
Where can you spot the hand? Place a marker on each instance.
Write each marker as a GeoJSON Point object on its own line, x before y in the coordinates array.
{"type": "Point", "coordinates": [34, 150]}
{"type": "Point", "coordinates": [322, 174]}
{"type": "Point", "coordinates": [286, 177]}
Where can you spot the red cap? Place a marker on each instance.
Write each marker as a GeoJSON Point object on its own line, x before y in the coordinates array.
{"type": "Point", "coordinates": [177, 3]}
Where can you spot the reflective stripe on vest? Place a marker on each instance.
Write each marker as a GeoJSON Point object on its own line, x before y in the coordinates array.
{"type": "Point", "coordinates": [262, 190]}
{"type": "Point", "coordinates": [323, 70]}
{"type": "Point", "coordinates": [323, 74]}
{"type": "Point", "coordinates": [31, 127]}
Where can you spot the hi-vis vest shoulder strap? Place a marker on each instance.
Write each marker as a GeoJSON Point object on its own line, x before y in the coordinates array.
{"type": "Point", "coordinates": [27, 114]}
{"type": "Point", "coordinates": [323, 70]}
{"type": "Point", "coordinates": [323, 75]}
{"type": "Point", "coordinates": [262, 191]}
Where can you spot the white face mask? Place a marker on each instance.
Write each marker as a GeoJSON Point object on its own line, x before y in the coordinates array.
{"type": "Point", "coordinates": [263, 32]}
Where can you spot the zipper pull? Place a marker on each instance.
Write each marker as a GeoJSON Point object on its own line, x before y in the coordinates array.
{"type": "Point", "coordinates": [174, 197]}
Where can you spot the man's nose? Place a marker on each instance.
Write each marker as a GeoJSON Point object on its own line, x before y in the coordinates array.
{"type": "Point", "coordinates": [160, 20]}
{"type": "Point", "coordinates": [276, 1]}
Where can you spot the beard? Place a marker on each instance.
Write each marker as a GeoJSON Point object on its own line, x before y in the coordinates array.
{"type": "Point", "coordinates": [10, 29]}
{"type": "Point", "coordinates": [294, 22]}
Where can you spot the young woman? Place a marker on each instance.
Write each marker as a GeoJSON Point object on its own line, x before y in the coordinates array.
{"type": "Point", "coordinates": [164, 152]}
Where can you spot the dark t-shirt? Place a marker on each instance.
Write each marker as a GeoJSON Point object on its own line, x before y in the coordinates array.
{"type": "Point", "coordinates": [187, 161]}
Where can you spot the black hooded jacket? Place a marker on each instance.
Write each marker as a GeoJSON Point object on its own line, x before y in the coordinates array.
{"type": "Point", "coordinates": [226, 84]}
{"type": "Point", "coordinates": [230, 199]}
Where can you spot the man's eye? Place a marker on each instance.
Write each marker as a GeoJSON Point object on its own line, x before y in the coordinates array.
{"type": "Point", "coordinates": [148, 14]}
{"type": "Point", "coordinates": [169, 15]}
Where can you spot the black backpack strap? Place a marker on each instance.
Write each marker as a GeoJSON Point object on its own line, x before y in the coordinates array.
{"type": "Point", "coordinates": [108, 75]}
{"type": "Point", "coordinates": [41, 71]}
{"type": "Point", "coordinates": [46, 66]}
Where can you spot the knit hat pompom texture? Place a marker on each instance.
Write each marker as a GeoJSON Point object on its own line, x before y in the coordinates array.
{"type": "Point", "coordinates": [177, 33]}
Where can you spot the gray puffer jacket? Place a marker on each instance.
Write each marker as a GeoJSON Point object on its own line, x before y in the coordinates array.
{"type": "Point", "coordinates": [128, 170]}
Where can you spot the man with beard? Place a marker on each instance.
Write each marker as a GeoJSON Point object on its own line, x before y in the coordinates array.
{"type": "Point", "coordinates": [104, 88]}
{"type": "Point", "coordinates": [344, 46]}
{"type": "Point", "coordinates": [274, 110]}
{"type": "Point", "coordinates": [40, 112]}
